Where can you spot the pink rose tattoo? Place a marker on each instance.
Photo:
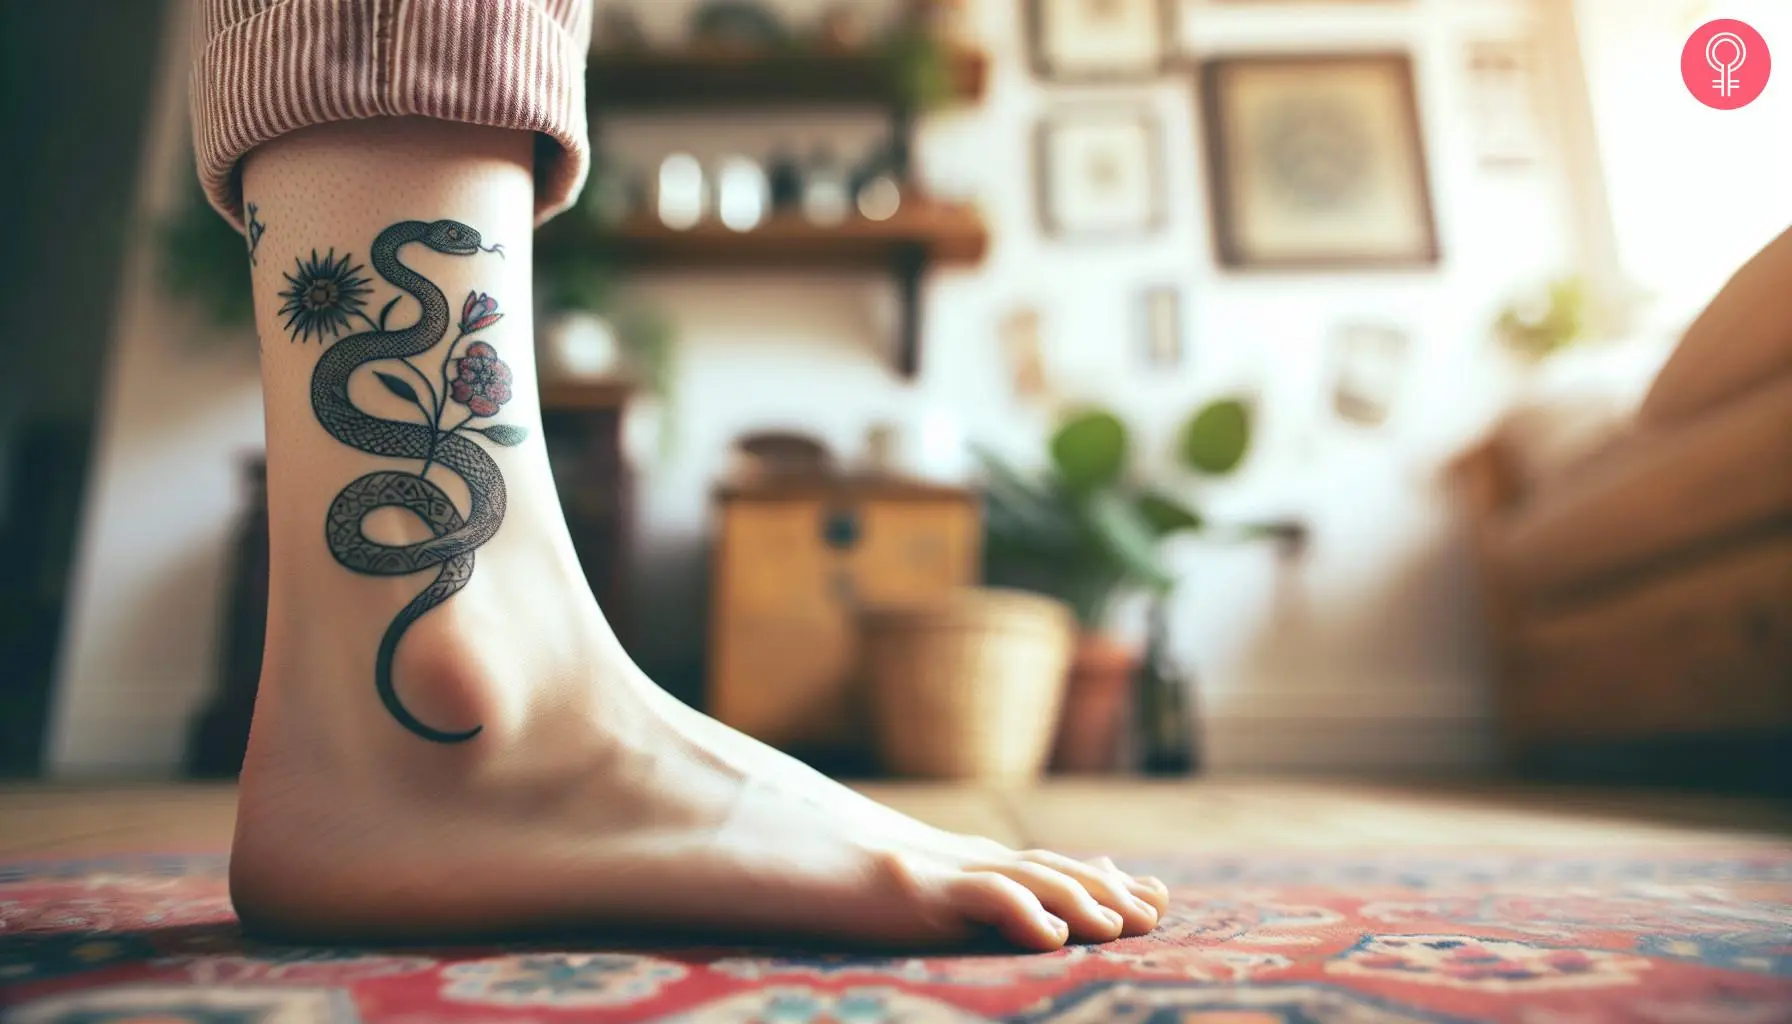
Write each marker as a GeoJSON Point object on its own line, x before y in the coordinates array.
{"type": "Point", "coordinates": [482, 383]}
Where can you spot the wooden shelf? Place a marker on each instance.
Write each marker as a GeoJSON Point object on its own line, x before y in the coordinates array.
{"type": "Point", "coordinates": [580, 395]}
{"type": "Point", "coordinates": [922, 235]}
{"type": "Point", "coordinates": [721, 77]}
{"type": "Point", "coordinates": [937, 234]}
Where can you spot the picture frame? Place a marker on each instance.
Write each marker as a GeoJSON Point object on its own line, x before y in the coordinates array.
{"type": "Point", "coordinates": [1368, 371]}
{"type": "Point", "coordinates": [1023, 354]}
{"type": "Point", "coordinates": [1504, 109]}
{"type": "Point", "coordinates": [1317, 162]}
{"type": "Point", "coordinates": [1099, 172]}
{"type": "Point", "coordinates": [1099, 40]}
{"type": "Point", "coordinates": [1161, 345]}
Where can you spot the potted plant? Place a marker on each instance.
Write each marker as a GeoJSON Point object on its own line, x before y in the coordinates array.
{"type": "Point", "coordinates": [204, 262]}
{"type": "Point", "coordinates": [1087, 531]}
{"type": "Point", "coordinates": [580, 312]}
{"type": "Point", "coordinates": [1548, 320]}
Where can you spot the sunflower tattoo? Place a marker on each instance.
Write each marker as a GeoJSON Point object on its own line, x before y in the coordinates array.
{"type": "Point", "coordinates": [324, 295]}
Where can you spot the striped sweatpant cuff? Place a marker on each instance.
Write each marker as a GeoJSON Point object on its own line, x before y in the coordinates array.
{"type": "Point", "coordinates": [267, 67]}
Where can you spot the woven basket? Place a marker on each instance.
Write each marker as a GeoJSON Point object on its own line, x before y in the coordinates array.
{"type": "Point", "coordinates": [967, 686]}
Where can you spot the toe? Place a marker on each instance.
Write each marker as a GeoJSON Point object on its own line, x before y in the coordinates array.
{"type": "Point", "coordinates": [1067, 898]}
{"type": "Point", "coordinates": [1145, 887]}
{"type": "Point", "coordinates": [1156, 899]}
{"type": "Point", "coordinates": [1108, 885]}
{"type": "Point", "coordinates": [1009, 907]}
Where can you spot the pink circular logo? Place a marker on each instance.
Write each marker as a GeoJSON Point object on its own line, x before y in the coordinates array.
{"type": "Point", "coordinates": [1725, 64]}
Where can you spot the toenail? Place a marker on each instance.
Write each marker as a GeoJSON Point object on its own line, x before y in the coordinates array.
{"type": "Point", "coordinates": [1058, 926]}
{"type": "Point", "coordinates": [1144, 908]}
{"type": "Point", "coordinates": [1113, 919]}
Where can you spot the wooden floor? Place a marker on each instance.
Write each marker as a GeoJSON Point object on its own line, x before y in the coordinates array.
{"type": "Point", "coordinates": [1222, 815]}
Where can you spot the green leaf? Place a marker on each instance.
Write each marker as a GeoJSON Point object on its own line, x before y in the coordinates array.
{"type": "Point", "coordinates": [1165, 514]}
{"type": "Point", "coordinates": [1126, 537]}
{"type": "Point", "coordinates": [918, 67]}
{"type": "Point", "coordinates": [571, 277]}
{"type": "Point", "coordinates": [1008, 484]}
{"type": "Point", "coordinates": [397, 385]}
{"type": "Point", "coordinates": [388, 310]}
{"type": "Point", "coordinates": [201, 261]}
{"type": "Point", "coordinates": [1215, 439]}
{"type": "Point", "coordinates": [1024, 516]}
{"type": "Point", "coordinates": [1089, 450]}
{"type": "Point", "coordinates": [505, 434]}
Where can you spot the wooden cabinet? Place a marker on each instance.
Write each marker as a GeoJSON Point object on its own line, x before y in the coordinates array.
{"type": "Point", "coordinates": [794, 562]}
{"type": "Point", "coordinates": [582, 426]}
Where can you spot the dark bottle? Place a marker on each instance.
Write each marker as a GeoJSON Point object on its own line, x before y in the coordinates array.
{"type": "Point", "coordinates": [784, 173]}
{"type": "Point", "coordinates": [1166, 704]}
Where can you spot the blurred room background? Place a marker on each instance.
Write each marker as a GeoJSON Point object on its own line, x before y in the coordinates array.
{"type": "Point", "coordinates": [1293, 347]}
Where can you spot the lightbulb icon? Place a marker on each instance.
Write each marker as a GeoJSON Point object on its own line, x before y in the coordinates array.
{"type": "Point", "coordinates": [1725, 63]}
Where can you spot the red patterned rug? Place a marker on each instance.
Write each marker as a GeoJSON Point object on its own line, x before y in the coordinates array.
{"type": "Point", "coordinates": [1530, 940]}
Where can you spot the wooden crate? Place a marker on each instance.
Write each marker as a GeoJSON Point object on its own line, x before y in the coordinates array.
{"type": "Point", "coordinates": [793, 563]}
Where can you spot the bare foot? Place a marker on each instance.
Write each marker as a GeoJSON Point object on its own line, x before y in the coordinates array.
{"type": "Point", "coordinates": [591, 798]}
{"type": "Point", "coordinates": [500, 764]}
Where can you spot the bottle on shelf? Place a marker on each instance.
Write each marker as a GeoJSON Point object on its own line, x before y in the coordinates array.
{"type": "Point", "coordinates": [877, 188]}
{"type": "Point", "coordinates": [742, 193]}
{"type": "Point", "coordinates": [784, 174]}
{"type": "Point", "coordinates": [682, 198]}
{"type": "Point", "coordinates": [826, 191]}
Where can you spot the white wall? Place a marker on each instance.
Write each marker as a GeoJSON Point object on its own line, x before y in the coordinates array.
{"type": "Point", "coordinates": [1367, 655]}
{"type": "Point", "coordinates": [1695, 191]}
{"type": "Point", "coordinates": [1364, 657]}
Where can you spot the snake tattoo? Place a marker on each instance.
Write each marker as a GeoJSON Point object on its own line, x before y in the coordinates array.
{"type": "Point", "coordinates": [324, 295]}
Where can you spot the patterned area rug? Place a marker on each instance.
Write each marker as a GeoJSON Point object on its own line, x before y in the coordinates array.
{"type": "Point", "coordinates": [1532, 940]}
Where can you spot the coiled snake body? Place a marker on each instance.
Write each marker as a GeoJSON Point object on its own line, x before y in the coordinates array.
{"type": "Point", "coordinates": [455, 538]}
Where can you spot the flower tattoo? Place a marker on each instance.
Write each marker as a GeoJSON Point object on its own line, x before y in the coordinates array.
{"type": "Point", "coordinates": [324, 295]}
{"type": "Point", "coordinates": [478, 312]}
{"type": "Point", "coordinates": [482, 382]}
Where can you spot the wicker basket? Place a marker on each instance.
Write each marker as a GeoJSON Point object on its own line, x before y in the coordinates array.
{"type": "Point", "coordinates": [969, 686]}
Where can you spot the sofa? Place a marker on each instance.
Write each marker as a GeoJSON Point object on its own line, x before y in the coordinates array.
{"type": "Point", "coordinates": [1637, 585]}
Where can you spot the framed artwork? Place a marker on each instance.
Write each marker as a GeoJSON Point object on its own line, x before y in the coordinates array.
{"type": "Point", "coordinates": [1504, 106]}
{"type": "Point", "coordinates": [1023, 353]}
{"type": "Point", "coordinates": [1160, 327]}
{"type": "Point", "coordinates": [1099, 40]}
{"type": "Point", "coordinates": [1098, 173]}
{"type": "Point", "coordinates": [1368, 367]}
{"type": "Point", "coordinates": [1316, 162]}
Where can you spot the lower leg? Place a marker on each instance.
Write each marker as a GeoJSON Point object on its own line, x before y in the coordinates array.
{"type": "Point", "coordinates": [507, 766]}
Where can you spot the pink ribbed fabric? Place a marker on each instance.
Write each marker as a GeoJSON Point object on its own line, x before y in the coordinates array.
{"type": "Point", "coordinates": [267, 67]}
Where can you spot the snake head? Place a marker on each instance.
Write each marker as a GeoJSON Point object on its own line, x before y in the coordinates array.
{"type": "Point", "coordinates": [452, 237]}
